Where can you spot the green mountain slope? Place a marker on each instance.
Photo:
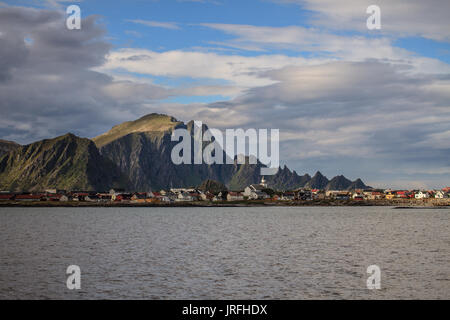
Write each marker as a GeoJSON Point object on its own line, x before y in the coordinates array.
{"type": "Point", "coordinates": [156, 123]}
{"type": "Point", "coordinates": [66, 162]}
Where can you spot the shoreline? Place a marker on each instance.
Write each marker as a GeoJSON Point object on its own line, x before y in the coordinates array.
{"type": "Point", "coordinates": [239, 204]}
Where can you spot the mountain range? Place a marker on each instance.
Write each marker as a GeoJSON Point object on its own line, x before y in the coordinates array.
{"type": "Point", "coordinates": [134, 155]}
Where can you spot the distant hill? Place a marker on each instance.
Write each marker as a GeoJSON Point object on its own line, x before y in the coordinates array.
{"type": "Point", "coordinates": [338, 183]}
{"type": "Point", "coordinates": [319, 181]}
{"type": "Point", "coordinates": [358, 184]}
{"type": "Point", "coordinates": [212, 186]}
{"type": "Point", "coordinates": [66, 162]}
{"type": "Point", "coordinates": [134, 155]}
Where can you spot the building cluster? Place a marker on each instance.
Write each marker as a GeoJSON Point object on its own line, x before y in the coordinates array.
{"type": "Point", "coordinates": [252, 192]}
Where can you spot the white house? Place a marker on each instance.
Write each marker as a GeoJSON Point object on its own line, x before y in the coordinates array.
{"type": "Point", "coordinates": [164, 198]}
{"type": "Point", "coordinates": [440, 195]}
{"type": "Point", "coordinates": [184, 197]}
{"type": "Point", "coordinates": [255, 191]}
{"type": "Point", "coordinates": [422, 195]}
{"type": "Point", "coordinates": [235, 196]}
{"type": "Point", "coordinates": [357, 195]}
{"type": "Point", "coordinates": [181, 190]}
{"type": "Point", "coordinates": [92, 198]}
{"type": "Point", "coordinates": [116, 191]}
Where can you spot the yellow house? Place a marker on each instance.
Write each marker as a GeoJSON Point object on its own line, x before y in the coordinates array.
{"type": "Point", "coordinates": [390, 195]}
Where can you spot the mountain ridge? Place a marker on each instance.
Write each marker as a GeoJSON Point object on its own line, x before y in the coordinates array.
{"type": "Point", "coordinates": [137, 155]}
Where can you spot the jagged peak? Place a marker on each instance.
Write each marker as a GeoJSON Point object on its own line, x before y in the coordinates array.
{"type": "Point", "coordinates": [318, 174]}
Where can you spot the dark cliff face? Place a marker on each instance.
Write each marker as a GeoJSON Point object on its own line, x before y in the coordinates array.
{"type": "Point", "coordinates": [66, 162]}
{"type": "Point", "coordinates": [145, 157]}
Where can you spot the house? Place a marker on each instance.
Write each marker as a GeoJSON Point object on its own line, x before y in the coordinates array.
{"type": "Point", "coordinates": [79, 196]}
{"type": "Point", "coordinates": [440, 195]}
{"type": "Point", "coordinates": [358, 196]}
{"type": "Point", "coordinates": [342, 195]}
{"type": "Point", "coordinates": [254, 192]}
{"type": "Point", "coordinates": [7, 197]}
{"type": "Point", "coordinates": [29, 197]}
{"type": "Point", "coordinates": [235, 196]}
{"type": "Point", "coordinates": [390, 195]}
{"type": "Point", "coordinates": [158, 196]}
{"type": "Point", "coordinates": [422, 195]}
{"type": "Point", "coordinates": [184, 197]}
{"type": "Point", "coordinates": [139, 198]}
{"type": "Point", "coordinates": [105, 197]}
{"type": "Point", "coordinates": [92, 198]}
{"type": "Point", "coordinates": [55, 191]}
{"type": "Point", "coordinates": [373, 195]}
{"type": "Point", "coordinates": [122, 197]}
{"type": "Point", "coordinates": [206, 196]}
{"type": "Point", "coordinates": [331, 193]}
{"type": "Point", "coordinates": [181, 190]}
{"type": "Point", "coordinates": [304, 195]}
{"type": "Point", "coordinates": [287, 196]}
{"type": "Point", "coordinates": [195, 196]}
{"type": "Point", "coordinates": [116, 191]}
{"type": "Point", "coordinates": [162, 198]}
{"type": "Point", "coordinates": [402, 194]}
{"type": "Point", "coordinates": [58, 197]}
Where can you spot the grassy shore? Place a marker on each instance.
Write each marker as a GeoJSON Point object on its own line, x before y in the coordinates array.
{"type": "Point", "coordinates": [430, 203]}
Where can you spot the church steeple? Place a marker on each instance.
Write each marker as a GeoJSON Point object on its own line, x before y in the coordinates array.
{"type": "Point", "coordinates": [263, 183]}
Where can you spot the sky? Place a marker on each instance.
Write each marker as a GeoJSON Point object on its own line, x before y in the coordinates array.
{"type": "Point", "coordinates": [370, 104]}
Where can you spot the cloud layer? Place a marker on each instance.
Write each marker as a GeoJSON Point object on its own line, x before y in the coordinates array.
{"type": "Point", "coordinates": [47, 85]}
{"type": "Point", "coordinates": [358, 106]}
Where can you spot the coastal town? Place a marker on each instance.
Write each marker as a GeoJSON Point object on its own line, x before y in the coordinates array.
{"type": "Point", "coordinates": [253, 193]}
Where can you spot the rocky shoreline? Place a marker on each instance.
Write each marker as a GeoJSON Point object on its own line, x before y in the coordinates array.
{"type": "Point", "coordinates": [202, 204]}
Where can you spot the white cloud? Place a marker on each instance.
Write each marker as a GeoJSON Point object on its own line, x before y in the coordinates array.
{"type": "Point", "coordinates": [325, 45]}
{"type": "Point", "coordinates": [427, 19]}
{"type": "Point", "coordinates": [242, 72]}
{"type": "Point", "coordinates": [157, 24]}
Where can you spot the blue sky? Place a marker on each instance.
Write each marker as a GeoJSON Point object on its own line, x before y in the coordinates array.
{"type": "Point", "coordinates": [347, 100]}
